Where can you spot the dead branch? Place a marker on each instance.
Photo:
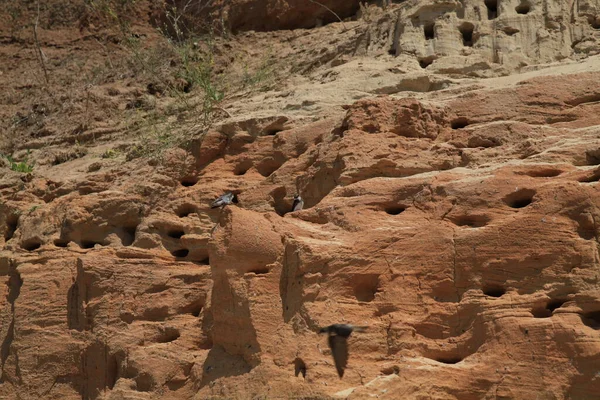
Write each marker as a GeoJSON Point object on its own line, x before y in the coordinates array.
{"type": "Point", "coordinates": [39, 52]}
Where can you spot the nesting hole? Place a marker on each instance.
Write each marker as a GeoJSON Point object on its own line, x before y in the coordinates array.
{"type": "Point", "coordinates": [144, 382]}
{"type": "Point", "coordinates": [394, 369]}
{"type": "Point", "coordinates": [365, 287]}
{"type": "Point", "coordinates": [260, 271]}
{"type": "Point", "coordinates": [510, 30]}
{"type": "Point", "coordinates": [196, 310]}
{"type": "Point", "coordinates": [299, 367]}
{"type": "Point", "coordinates": [89, 244]}
{"type": "Point", "coordinates": [592, 157]}
{"type": "Point", "coordinates": [128, 235]}
{"type": "Point", "coordinates": [520, 198]}
{"type": "Point", "coordinates": [586, 229]}
{"type": "Point", "coordinates": [12, 222]}
{"type": "Point", "coordinates": [181, 253]}
{"type": "Point", "coordinates": [395, 210]}
{"type": "Point", "coordinates": [492, 8]}
{"type": "Point", "coordinates": [61, 242]}
{"type": "Point", "coordinates": [594, 177]}
{"type": "Point", "coordinates": [429, 30]}
{"type": "Point", "coordinates": [543, 173]}
{"type": "Point", "coordinates": [175, 233]}
{"type": "Point", "coordinates": [189, 181]}
{"type": "Point", "coordinates": [184, 210]}
{"type": "Point", "coordinates": [523, 8]}
{"type": "Point", "coordinates": [31, 244]}
{"type": "Point", "coordinates": [273, 131]}
{"type": "Point", "coordinates": [425, 62]}
{"type": "Point", "coordinates": [449, 360]}
{"type": "Point", "coordinates": [242, 168]}
{"type": "Point", "coordinates": [472, 221]}
{"type": "Point", "coordinates": [594, 22]}
{"type": "Point", "coordinates": [592, 319]}
{"type": "Point", "coordinates": [466, 30]}
{"type": "Point", "coordinates": [459, 123]}
{"type": "Point", "coordinates": [493, 290]}
{"type": "Point", "coordinates": [204, 261]}
{"type": "Point", "coordinates": [168, 334]}
{"type": "Point", "coordinates": [268, 166]}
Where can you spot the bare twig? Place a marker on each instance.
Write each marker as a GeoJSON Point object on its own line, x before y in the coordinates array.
{"type": "Point", "coordinates": [37, 43]}
{"type": "Point", "coordinates": [330, 10]}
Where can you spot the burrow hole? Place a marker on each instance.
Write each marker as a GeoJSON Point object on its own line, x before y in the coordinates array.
{"type": "Point", "coordinates": [591, 319]}
{"type": "Point", "coordinates": [425, 62]}
{"type": "Point", "coordinates": [395, 210]}
{"type": "Point", "coordinates": [519, 199]}
{"type": "Point", "coordinates": [90, 244]}
{"type": "Point", "coordinates": [184, 210]}
{"type": "Point", "coordinates": [175, 233]}
{"type": "Point", "coordinates": [365, 287]}
{"type": "Point", "coordinates": [594, 22]}
{"type": "Point", "coordinates": [548, 309]}
{"type": "Point", "coordinates": [594, 177]}
{"type": "Point", "coordinates": [523, 8]}
{"type": "Point", "coordinates": [127, 235]}
{"type": "Point", "coordinates": [472, 221]}
{"type": "Point", "coordinates": [260, 271]}
{"type": "Point", "coordinates": [181, 253]}
{"type": "Point", "coordinates": [168, 334]}
{"type": "Point", "coordinates": [61, 242]}
{"type": "Point", "coordinates": [12, 222]}
{"type": "Point", "coordinates": [273, 131]}
{"type": "Point", "coordinates": [196, 310]}
{"type": "Point", "coordinates": [493, 290]}
{"type": "Point", "coordinates": [299, 367]}
{"type": "Point", "coordinates": [509, 30]}
{"type": "Point", "coordinates": [242, 168]}
{"type": "Point", "coordinates": [592, 157]}
{"type": "Point", "coordinates": [543, 173]}
{"type": "Point", "coordinates": [429, 30]}
{"type": "Point", "coordinates": [394, 369]}
{"type": "Point", "coordinates": [31, 244]}
{"type": "Point", "coordinates": [449, 360]}
{"type": "Point", "coordinates": [268, 166]}
{"type": "Point", "coordinates": [189, 181]}
{"type": "Point", "coordinates": [466, 30]}
{"type": "Point", "coordinates": [492, 8]}
{"type": "Point", "coordinates": [459, 123]}
{"type": "Point", "coordinates": [204, 261]}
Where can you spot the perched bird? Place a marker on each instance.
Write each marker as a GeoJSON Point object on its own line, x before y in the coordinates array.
{"type": "Point", "coordinates": [224, 200]}
{"type": "Point", "coordinates": [338, 343]}
{"type": "Point", "coordinates": [298, 203]}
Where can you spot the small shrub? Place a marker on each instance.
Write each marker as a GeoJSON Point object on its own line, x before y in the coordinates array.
{"type": "Point", "coordinates": [22, 166]}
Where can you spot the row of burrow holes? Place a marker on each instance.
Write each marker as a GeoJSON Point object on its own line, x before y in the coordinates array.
{"type": "Point", "coordinates": [519, 199]}
{"type": "Point", "coordinates": [466, 28]}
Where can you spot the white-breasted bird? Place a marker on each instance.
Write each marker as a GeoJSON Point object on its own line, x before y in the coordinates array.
{"type": "Point", "coordinates": [298, 203]}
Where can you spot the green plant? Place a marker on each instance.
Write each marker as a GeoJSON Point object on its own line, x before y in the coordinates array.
{"type": "Point", "coordinates": [21, 166]}
{"type": "Point", "coordinates": [110, 153]}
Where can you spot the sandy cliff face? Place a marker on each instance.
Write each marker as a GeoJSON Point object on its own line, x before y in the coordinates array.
{"type": "Point", "coordinates": [455, 216]}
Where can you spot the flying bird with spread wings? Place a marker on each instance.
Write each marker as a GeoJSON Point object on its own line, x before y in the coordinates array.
{"type": "Point", "coordinates": [338, 335]}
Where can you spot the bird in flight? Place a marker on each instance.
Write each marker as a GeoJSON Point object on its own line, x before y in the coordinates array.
{"type": "Point", "coordinates": [298, 203]}
{"type": "Point", "coordinates": [224, 200]}
{"type": "Point", "coordinates": [338, 335]}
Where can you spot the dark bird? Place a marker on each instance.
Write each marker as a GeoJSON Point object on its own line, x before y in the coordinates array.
{"type": "Point", "coordinates": [338, 335]}
{"type": "Point", "coordinates": [224, 200]}
{"type": "Point", "coordinates": [298, 203]}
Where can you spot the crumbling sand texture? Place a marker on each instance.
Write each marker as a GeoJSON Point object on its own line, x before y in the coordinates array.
{"type": "Point", "coordinates": [451, 205]}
